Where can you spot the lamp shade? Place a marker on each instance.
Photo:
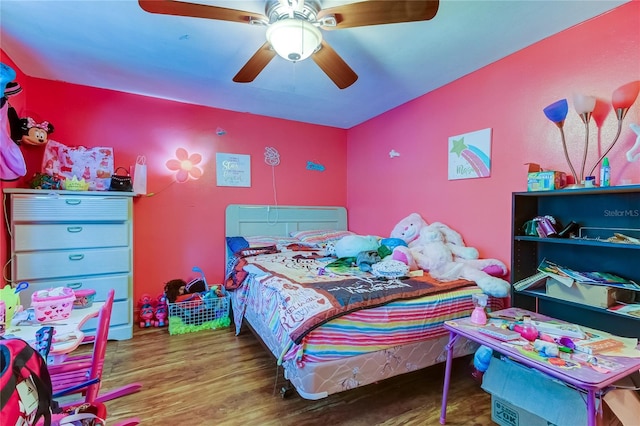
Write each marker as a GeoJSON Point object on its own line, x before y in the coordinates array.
{"type": "Point", "coordinates": [557, 111]}
{"type": "Point", "coordinates": [625, 96]}
{"type": "Point", "coordinates": [583, 104]}
{"type": "Point", "coordinates": [294, 39]}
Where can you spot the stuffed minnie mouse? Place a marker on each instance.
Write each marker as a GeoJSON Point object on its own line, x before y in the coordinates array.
{"type": "Point", "coordinates": [34, 133]}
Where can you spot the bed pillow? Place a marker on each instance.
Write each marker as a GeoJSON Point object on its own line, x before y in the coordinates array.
{"type": "Point", "coordinates": [263, 240]}
{"type": "Point", "coordinates": [320, 236]}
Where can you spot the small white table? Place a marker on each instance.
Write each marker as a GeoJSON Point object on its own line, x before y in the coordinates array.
{"type": "Point", "coordinates": [67, 334]}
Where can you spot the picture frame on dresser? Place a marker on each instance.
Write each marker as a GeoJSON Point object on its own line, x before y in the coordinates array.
{"type": "Point", "coordinates": [76, 239]}
{"type": "Point", "coordinates": [599, 213]}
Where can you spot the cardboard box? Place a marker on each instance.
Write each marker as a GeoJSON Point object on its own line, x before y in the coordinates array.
{"type": "Point", "coordinates": [506, 414]}
{"type": "Point", "coordinates": [588, 294]}
{"type": "Point", "coordinates": [522, 396]}
{"type": "Point", "coordinates": [546, 181]}
{"type": "Point", "coordinates": [625, 403]}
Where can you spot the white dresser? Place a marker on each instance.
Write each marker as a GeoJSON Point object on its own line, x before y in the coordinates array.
{"type": "Point", "coordinates": [77, 239]}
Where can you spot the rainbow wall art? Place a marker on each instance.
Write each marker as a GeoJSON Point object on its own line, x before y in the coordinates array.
{"type": "Point", "coordinates": [470, 155]}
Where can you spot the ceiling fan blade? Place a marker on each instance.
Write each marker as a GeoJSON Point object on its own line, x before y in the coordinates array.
{"type": "Point", "coordinates": [255, 64]}
{"type": "Point", "coordinates": [334, 66]}
{"type": "Point", "coordinates": [380, 12]}
{"type": "Point", "coordinates": [179, 8]}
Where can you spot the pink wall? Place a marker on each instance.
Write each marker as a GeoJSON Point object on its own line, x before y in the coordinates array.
{"type": "Point", "coordinates": [182, 225]}
{"type": "Point", "coordinates": [508, 96]}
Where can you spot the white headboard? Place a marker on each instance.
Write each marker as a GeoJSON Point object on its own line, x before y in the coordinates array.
{"type": "Point", "coordinates": [245, 220]}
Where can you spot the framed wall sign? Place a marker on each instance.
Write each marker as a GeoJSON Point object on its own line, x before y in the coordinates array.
{"type": "Point", "coordinates": [233, 170]}
{"type": "Point", "coordinates": [470, 155]}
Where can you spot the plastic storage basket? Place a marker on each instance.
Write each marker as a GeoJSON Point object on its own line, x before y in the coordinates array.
{"type": "Point", "coordinates": [84, 298]}
{"type": "Point", "coordinates": [52, 304]}
{"type": "Point", "coordinates": [204, 311]}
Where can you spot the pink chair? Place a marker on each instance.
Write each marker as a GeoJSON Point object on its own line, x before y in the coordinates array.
{"type": "Point", "coordinates": [83, 373]}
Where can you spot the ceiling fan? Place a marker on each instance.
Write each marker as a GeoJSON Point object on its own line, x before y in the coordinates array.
{"type": "Point", "coordinates": [293, 28]}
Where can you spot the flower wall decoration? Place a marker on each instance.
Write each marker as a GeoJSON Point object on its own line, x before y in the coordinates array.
{"type": "Point", "coordinates": [185, 165]}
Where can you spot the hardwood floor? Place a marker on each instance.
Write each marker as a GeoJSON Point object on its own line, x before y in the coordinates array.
{"type": "Point", "coordinates": [216, 378]}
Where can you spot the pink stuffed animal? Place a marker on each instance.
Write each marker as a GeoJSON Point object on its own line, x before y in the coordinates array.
{"type": "Point", "coordinates": [440, 250]}
{"type": "Point", "coordinates": [410, 228]}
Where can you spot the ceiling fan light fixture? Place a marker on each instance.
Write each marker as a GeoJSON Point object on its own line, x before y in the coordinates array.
{"type": "Point", "coordinates": [294, 39]}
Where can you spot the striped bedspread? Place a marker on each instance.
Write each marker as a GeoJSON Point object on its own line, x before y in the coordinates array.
{"type": "Point", "coordinates": [359, 332]}
{"type": "Point", "coordinates": [394, 324]}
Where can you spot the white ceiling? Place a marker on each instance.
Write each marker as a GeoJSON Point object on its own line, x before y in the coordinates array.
{"type": "Point", "coordinates": [116, 45]}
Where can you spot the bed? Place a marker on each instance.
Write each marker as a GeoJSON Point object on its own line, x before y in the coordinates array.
{"type": "Point", "coordinates": [333, 328]}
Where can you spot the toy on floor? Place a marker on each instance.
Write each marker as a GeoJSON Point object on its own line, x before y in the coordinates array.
{"type": "Point", "coordinates": [178, 290]}
{"type": "Point", "coordinates": [160, 312]}
{"type": "Point", "coordinates": [145, 316]}
{"type": "Point", "coordinates": [193, 305]}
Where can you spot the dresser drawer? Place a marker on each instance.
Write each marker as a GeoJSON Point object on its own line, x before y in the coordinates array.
{"type": "Point", "coordinates": [71, 263]}
{"type": "Point", "coordinates": [68, 208]}
{"type": "Point", "coordinates": [101, 284]}
{"type": "Point", "coordinates": [120, 314]}
{"type": "Point", "coordinates": [29, 237]}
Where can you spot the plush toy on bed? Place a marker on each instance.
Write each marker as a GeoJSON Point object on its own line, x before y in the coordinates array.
{"type": "Point", "coordinates": [438, 249]}
{"type": "Point", "coordinates": [409, 229]}
{"type": "Point", "coordinates": [352, 245]}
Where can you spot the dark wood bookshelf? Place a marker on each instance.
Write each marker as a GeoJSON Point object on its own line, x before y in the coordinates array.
{"type": "Point", "coordinates": [599, 212]}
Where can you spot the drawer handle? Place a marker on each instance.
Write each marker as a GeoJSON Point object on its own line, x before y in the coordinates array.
{"type": "Point", "coordinates": [76, 256]}
{"type": "Point", "coordinates": [73, 202]}
{"type": "Point", "coordinates": [74, 229]}
{"type": "Point", "coordinates": [74, 286]}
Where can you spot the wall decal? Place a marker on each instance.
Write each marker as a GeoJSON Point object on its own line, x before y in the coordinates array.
{"type": "Point", "coordinates": [470, 155]}
{"type": "Point", "coordinates": [315, 166]}
{"type": "Point", "coordinates": [185, 165]}
{"type": "Point", "coordinates": [271, 156]}
{"type": "Point", "coordinates": [233, 170]}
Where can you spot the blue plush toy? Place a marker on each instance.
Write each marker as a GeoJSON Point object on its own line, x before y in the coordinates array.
{"type": "Point", "coordinates": [481, 361]}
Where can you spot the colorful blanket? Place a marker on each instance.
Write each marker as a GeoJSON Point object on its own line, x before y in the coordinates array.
{"type": "Point", "coordinates": [310, 296]}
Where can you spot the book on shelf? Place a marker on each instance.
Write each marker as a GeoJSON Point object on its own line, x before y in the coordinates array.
{"type": "Point", "coordinates": [534, 281]}
{"type": "Point", "coordinates": [568, 276]}
{"type": "Point", "coordinates": [632, 309]}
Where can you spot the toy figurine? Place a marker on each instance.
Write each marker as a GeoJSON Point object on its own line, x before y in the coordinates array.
{"type": "Point", "coordinates": [160, 312]}
{"type": "Point", "coordinates": [146, 311]}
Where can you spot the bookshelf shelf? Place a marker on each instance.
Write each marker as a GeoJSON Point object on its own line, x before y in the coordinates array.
{"type": "Point", "coordinates": [578, 241]}
{"type": "Point", "coordinates": [599, 212]}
